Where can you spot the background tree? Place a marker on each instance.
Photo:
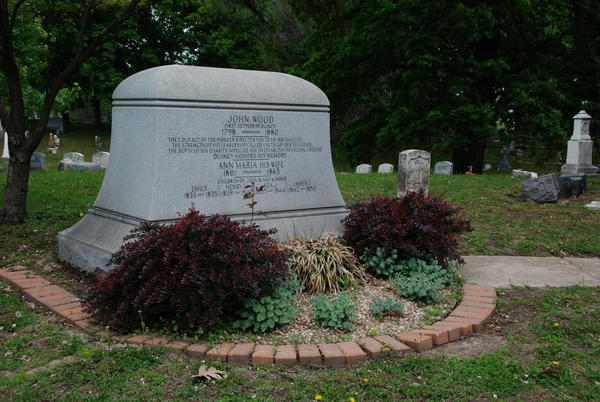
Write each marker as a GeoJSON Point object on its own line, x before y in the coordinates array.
{"type": "Point", "coordinates": [55, 23]}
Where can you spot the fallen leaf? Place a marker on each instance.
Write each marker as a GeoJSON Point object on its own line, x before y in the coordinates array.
{"type": "Point", "coordinates": [210, 373]}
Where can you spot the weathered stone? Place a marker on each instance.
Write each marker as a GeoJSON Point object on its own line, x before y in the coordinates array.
{"type": "Point", "coordinates": [413, 171]}
{"type": "Point", "coordinates": [385, 168]}
{"type": "Point", "coordinates": [38, 161]}
{"type": "Point", "coordinates": [74, 156]}
{"type": "Point", "coordinates": [68, 164]}
{"type": "Point", "coordinates": [571, 184]}
{"type": "Point", "coordinates": [487, 167]}
{"type": "Point", "coordinates": [542, 189]}
{"type": "Point", "coordinates": [579, 147]}
{"type": "Point", "coordinates": [364, 168]}
{"type": "Point", "coordinates": [594, 205]}
{"type": "Point", "coordinates": [186, 134]}
{"type": "Point", "coordinates": [101, 158]}
{"type": "Point", "coordinates": [444, 167]}
{"type": "Point", "coordinates": [524, 173]}
{"type": "Point", "coordinates": [5, 153]}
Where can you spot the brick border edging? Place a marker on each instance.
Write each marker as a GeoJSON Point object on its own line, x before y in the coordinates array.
{"type": "Point", "coordinates": [477, 306]}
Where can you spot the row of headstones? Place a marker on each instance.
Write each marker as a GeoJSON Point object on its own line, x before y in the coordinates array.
{"type": "Point", "coordinates": [72, 161]}
{"type": "Point", "coordinates": [444, 167]}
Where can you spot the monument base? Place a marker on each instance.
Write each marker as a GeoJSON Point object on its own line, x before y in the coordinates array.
{"type": "Point", "coordinates": [572, 168]}
{"type": "Point", "coordinates": [89, 243]}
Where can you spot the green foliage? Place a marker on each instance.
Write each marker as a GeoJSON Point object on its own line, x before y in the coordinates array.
{"type": "Point", "coordinates": [265, 313]}
{"type": "Point", "coordinates": [423, 281]}
{"type": "Point", "coordinates": [380, 307]}
{"type": "Point", "coordinates": [382, 263]}
{"type": "Point", "coordinates": [333, 311]}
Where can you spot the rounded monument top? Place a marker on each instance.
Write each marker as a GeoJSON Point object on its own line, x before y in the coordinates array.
{"type": "Point", "coordinates": [208, 84]}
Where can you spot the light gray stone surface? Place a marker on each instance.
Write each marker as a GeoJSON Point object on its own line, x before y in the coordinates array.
{"type": "Point", "coordinates": [487, 166]}
{"type": "Point", "coordinates": [5, 153]}
{"type": "Point", "coordinates": [543, 189]}
{"type": "Point", "coordinates": [507, 271]}
{"type": "Point", "coordinates": [444, 167]}
{"type": "Point", "coordinates": [38, 161]}
{"type": "Point", "coordinates": [364, 168]}
{"type": "Point", "coordinates": [594, 205]}
{"type": "Point", "coordinates": [186, 135]}
{"type": "Point", "coordinates": [68, 164]}
{"type": "Point", "coordinates": [413, 171]}
{"type": "Point", "coordinates": [74, 156]}
{"type": "Point", "coordinates": [524, 173]}
{"type": "Point", "coordinates": [385, 168]}
{"type": "Point", "coordinates": [101, 158]}
{"type": "Point", "coordinates": [579, 147]}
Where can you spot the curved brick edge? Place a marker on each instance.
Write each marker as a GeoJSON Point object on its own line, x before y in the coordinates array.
{"type": "Point", "coordinates": [477, 306]}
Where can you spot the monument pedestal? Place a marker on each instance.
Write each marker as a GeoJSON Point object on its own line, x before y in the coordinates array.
{"type": "Point", "coordinates": [579, 147]}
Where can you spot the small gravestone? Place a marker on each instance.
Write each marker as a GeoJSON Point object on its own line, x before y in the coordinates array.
{"type": "Point", "coordinates": [413, 171]}
{"type": "Point", "coordinates": [364, 168]}
{"type": "Point", "coordinates": [74, 156]}
{"type": "Point", "coordinates": [579, 147]}
{"type": "Point", "coordinates": [69, 164]}
{"type": "Point", "coordinates": [571, 184]}
{"type": "Point", "coordinates": [101, 158]}
{"type": "Point", "coordinates": [98, 143]}
{"type": "Point", "coordinates": [446, 168]}
{"type": "Point", "coordinates": [594, 205]}
{"type": "Point", "coordinates": [385, 168]}
{"type": "Point", "coordinates": [187, 135]}
{"type": "Point", "coordinates": [524, 173]}
{"type": "Point", "coordinates": [543, 189]}
{"type": "Point", "coordinates": [487, 167]}
{"type": "Point", "coordinates": [37, 161]}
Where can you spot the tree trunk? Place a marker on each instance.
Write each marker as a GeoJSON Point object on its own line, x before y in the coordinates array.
{"type": "Point", "coordinates": [15, 196]}
{"type": "Point", "coordinates": [471, 156]}
{"type": "Point", "coordinates": [97, 112]}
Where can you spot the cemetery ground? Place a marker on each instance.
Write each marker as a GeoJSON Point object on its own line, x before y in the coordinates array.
{"type": "Point", "coordinates": [540, 344]}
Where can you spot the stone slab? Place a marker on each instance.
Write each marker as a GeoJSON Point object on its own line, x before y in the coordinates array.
{"type": "Point", "coordinates": [444, 168]}
{"type": "Point", "coordinates": [413, 171]}
{"type": "Point", "coordinates": [230, 126]}
{"type": "Point", "coordinates": [385, 168]}
{"type": "Point", "coordinates": [364, 168]}
{"type": "Point", "coordinates": [507, 271]}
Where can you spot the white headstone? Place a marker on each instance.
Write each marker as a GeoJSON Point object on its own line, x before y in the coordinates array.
{"type": "Point", "coordinates": [5, 153]}
{"type": "Point", "coordinates": [101, 158]}
{"type": "Point", "coordinates": [385, 168]}
{"type": "Point", "coordinates": [579, 147]}
{"type": "Point", "coordinates": [487, 166]}
{"type": "Point", "coordinates": [364, 168]}
{"type": "Point", "coordinates": [184, 135]}
{"type": "Point", "coordinates": [444, 167]}
{"type": "Point", "coordinates": [594, 205]}
{"type": "Point", "coordinates": [413, 171]}
{"type": "Point", "coordinates": [74, 156]}
{"type": "Point", "coordinates": [524, 174]}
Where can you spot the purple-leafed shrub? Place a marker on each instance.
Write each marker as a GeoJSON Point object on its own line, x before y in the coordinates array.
{"type": "Point", "coordinates": [417, 225]}
{"type": "Point", "coordinates": [194, 273]}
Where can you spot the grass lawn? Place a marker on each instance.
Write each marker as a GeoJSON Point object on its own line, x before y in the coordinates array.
{"type": "Point", "coordinates": [512, 358]}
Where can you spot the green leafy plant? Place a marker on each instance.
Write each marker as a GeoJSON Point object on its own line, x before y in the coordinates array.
{"type": "Point", "coordinates": [384, 307]}
{"type": "Point", "coordinates": [382, 263]}
{"type": "Point", "coordinates": [423, 281]}
{"type": "Point", "coordinates": [265, 313]}
{"type": "Point", "coordinates": [334, 312]}
{"type": "Point", "coordinates": [325, 264]}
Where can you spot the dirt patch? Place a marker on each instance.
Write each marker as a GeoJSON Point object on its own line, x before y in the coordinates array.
{"type": "Point", "coordinates": [471, 346]}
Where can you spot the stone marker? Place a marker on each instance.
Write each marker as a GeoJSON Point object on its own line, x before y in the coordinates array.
{"type": "Point", "coordinates": [74, 156]}
{"type": "Point", "coordinates": [444, 167]}
{"type": "Point", "coordinates": [594, 205]}
{"type": "Point", "coordinates": [579, 147]}
{"type": "Point", "coordinates": [184, 135]}
{"type": "Point", "coordinates": [524, 173]}
{"type": "Point", "coordinates": [571, 184]}
{"type": "Point", "coordinates": [37, 161]}
{"type": "Point", "coordinates": [487, 167]}
{"type": "Point", "coordinates": [5, 153]}
{"type": "Point", "coordinates": [413, 171]}
{"type": "Point", "coordinates": [385, 168]}
{"type": "Point", "coordinates": [68, 164]}
{"type": "Point", "coordinates": [364, 168]}
{"type": "Point", "coordinates": [101, 158]}
{"type": "Point", "coordinates": [543, 189]}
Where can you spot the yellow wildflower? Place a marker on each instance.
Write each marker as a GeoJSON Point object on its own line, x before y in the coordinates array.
{"type": "Point", "coordinates": [556, 324]}
{"type": "Point", "coordinates": [365, 380]}
{"type": "Point", "coordinates": [351, 400]}
{"type": "Point", "coordinates": [556, 363]}
{"type": "Point", "coordinates": [318, 397]}
{"type": "Point", "coordinates": [81, 214]}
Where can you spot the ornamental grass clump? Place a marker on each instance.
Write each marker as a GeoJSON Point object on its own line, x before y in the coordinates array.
{"type": "Point", "coordinates": [416, 225]}
{"type": "Point", "coordinates": [325, 264]}
{"type": "Point", "coordinates": [195, 273]}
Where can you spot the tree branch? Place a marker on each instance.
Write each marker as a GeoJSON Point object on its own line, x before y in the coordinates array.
{"type": "Point", "coordinates": [14, 15]}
